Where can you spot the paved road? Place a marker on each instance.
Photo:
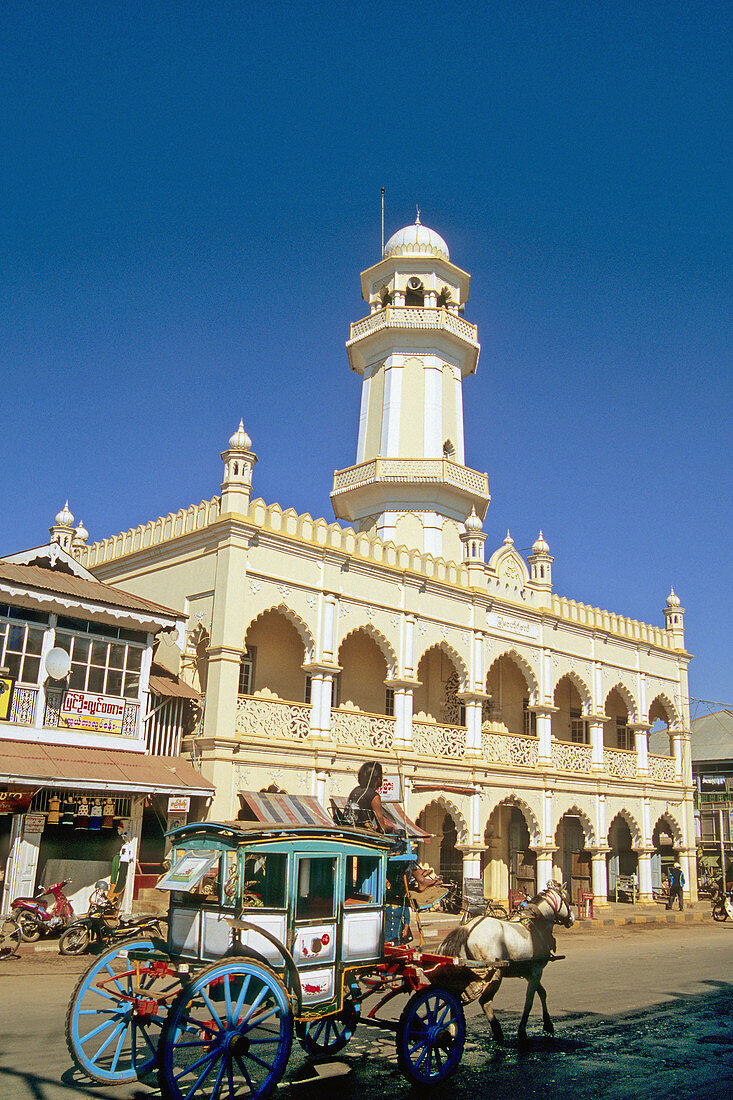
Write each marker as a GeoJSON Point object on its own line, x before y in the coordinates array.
{"type": "Point", "coordinates": [638, 1012]}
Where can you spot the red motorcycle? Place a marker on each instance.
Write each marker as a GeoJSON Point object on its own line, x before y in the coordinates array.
{"type": "Point", "coordinates": [36, 917]}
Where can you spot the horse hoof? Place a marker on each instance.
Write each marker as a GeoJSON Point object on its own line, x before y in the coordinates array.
{"type": "Point", "coordinates": [549, 1029]}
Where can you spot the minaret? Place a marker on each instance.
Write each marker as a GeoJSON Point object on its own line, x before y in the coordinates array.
{"type": "Point", "coordinates": [62, 531]}
{"type": "Point", "coordinates": [675, 619]}
{"type": "Point", "coordinates": [413, 352]}
{"type": "Point", "coordinates": [540, 565]}
{"type": "Point", "coordinates": [238, 462]}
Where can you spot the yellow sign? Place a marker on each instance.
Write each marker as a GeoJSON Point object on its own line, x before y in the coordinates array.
{"type": "Point", "coordinates": [6, 694]}
{"type": "Point", "coordinates": [100, 713]}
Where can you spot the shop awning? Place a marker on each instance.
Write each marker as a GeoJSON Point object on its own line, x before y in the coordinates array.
{"type": "Point", "coordinates": [169, 686]}
{"type": "Point", "coordinates": [284, 809]}
{"type": "Point", "coordinates": [394, 813]}
{"type": "Point", "coordinates": [26, 763]}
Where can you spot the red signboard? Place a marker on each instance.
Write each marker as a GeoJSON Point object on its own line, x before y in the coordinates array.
{"type": "Point", "coordinates": [15, 802]}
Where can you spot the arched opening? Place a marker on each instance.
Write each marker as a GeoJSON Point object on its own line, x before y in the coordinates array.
{"type": "Point", "coordinates": [573, 858]}
{"type": "Point", "coordinates": [273, 659]}
{"type": "Point", "coordinates": [441, 851]}
{"type": "Point", "coordinates": [664, 853]}
{"type": "Point", "coordinates": [507, 708]}
{"type": "Point", "coordinates": [385, 297]}
{"type": "Point", "coordinates": [508, 864]}
{"type": "Point", "coordinates": [414, 292]}
{"type": "Point", "coordinates": [436, 699]}
{"type": "Point", "coordinates": [660, 739]}
{"type": "Point", "coordinates": [622, 859]}
{"type": "Point", "coordinates": [445, 298]}
{"type": "Point", "coordinates": [617, 733]}
{"type": "Point", "coordinates": [568, 723]}
{"type": "Point", "coordinates": [363, 672]}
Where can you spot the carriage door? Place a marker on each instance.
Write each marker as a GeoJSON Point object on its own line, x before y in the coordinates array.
{"type": "Point", "coordinates": [314, 949]}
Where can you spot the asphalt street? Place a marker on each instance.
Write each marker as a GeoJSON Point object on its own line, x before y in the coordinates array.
{"type": "Point", "coordinates": [637, 1011]}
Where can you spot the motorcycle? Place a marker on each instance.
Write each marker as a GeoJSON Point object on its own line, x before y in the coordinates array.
{"type": "Point", "coordinates": [721, 904]}
{"type": "Point", "coordinates": [36, 917]}
{"type": "Point", "coordinates": [103, 925]}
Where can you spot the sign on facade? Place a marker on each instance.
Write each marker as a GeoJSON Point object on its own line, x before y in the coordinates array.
{"type": "Point", "coordinates": [97, 713]}
{"type": "Point", "coordinates": [15, 802]}
{"type": "Point", "coordinates": [6, 694]}
{"type": "Point", "coordinates": [391, 789]}
{"type": "Point", "coordinates": [34, 823]}
{"type": "Point", "coordinates": [509, 624]}
{"type": "Point", "coordinates": [179, 804]}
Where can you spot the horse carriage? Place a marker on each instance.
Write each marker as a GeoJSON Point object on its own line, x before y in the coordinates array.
{"type": "Point", "coordinates": [275, 931]}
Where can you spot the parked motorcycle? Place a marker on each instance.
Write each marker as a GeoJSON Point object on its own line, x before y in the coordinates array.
{"type": "Point", "coordinates": [36, 917]}
{"type": "Point", "coordinates": [103, 925]}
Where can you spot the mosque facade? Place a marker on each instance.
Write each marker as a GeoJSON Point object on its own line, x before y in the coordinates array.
{"type": "Point", "coordinates": [513, 721]}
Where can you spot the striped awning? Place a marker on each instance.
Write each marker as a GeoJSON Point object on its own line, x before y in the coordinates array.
{"type": "Point", "coordinates": [283, 809]}
{"type": "Point", "coordinates": [394, 813]}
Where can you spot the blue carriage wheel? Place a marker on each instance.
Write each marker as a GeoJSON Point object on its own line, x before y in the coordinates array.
{"type": "Point", "coordinates": [430, 1036]}
{"type": "Point", "coordinates": [330, 1034]}
{"type": "Point", "coordinates": [228, 1033]}
{"type": "Point", "coordinates": [108, 1036]}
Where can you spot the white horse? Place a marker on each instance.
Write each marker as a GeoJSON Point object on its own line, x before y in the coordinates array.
{"type": "Point", "coordinates": [525, 942]}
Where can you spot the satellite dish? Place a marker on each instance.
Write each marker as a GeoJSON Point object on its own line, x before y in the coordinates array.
{"type": "Point", "coordinates": [58, 663]}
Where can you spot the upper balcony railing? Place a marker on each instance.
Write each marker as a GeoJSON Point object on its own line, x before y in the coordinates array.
{"type": "Point", "coordinates": [415, 317]}
{"type": "Point", "coordinates": [259, 719]}
{"type": "Point", "coordinates": [439, 470]}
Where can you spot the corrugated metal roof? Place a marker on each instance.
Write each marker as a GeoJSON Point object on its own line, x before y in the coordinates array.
{"type": "Point", "coordinates": [170, 686]}
{"type": "Point", "coordinates": [26, 762]}
{"type": "Point", "coordinates": [712, 736]}
{"type": "Point", "coordinates": [55, 580]}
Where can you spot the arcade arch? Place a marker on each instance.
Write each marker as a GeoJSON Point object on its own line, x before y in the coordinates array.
{"type": "Point", "coordinates": [442, 676]}
{"type": "Point", "coordinates": [511, 687]}
{"type": "Point", "coordinates": [620, 710]}
{"type": "Point", "coordinates": [508, 863]}
{"type": "Point", "coordinates": [573, 701]}
{"type": "Point", "coordinates": [448, 830]}
{"type": "Point", "coordinates": [574, 836]}
{"type": "Point", "coordinates": [364, 669]}
{"type": "Point", "coordinates": [275, 652]}
{"type": "Point", "coordinates": [662, 719]}
{"type": "Point", "coordinates": [624, 836]}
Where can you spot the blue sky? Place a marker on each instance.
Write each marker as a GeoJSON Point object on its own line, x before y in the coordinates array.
{"type": "Point", "coordinates": [189, 191]}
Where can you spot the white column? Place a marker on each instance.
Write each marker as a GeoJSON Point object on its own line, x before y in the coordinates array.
{"type": "Point", "coordinates": [641, 743]}
{"type": "Point", "coordinates": [599, 875]}
{"type": "Point", "coordinates": [363, 415]}
{"type": "Point", "coordinates": [474, 711]}
{"type": "Point", "coordinates": [596, 741]}
{"type": "Point", "coordinates": [544, 866]}
{"type": "Point", "coordinates": [433, 413]}
{"type": "Point", "coordinates": [391, 409]}
{"type": "Point", "coordinates": [403, 711]}
{"type": "Point", "coordinates": [321, 778]}
{"type": "Point", "coordinates": [329, 625]}
{"type": "Point", "coordinates": [544, 734]}
{"type": "Point", "coordinates": [644, 856]}
{"type": "Point", "coordinates": [409, 658]}
{"type": "Point", "coordinates": [677, 752]}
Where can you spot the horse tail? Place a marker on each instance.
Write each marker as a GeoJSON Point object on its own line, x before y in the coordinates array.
{"type": "Point", "coordinates": [455, 942]}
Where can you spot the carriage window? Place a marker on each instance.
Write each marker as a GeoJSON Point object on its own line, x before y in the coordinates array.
{"type": "Point", "coordinates": [316, 879]}
{"type": "Point", "coordinates": [361, 886]}
{"type": "Point", "coordinates": [264, 880]}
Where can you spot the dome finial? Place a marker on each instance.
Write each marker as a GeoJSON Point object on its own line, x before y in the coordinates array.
{"type": "Point", "coordinates": [240, 441]}
{"type": "Point", "coordinates": [417, 219]}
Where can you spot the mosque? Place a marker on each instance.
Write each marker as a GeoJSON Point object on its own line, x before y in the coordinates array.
{"type": "Point", "coordinates": [513, 722]}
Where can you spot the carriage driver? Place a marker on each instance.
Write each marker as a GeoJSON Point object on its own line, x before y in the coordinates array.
{"type": "Point", "coordinates": [364, 798]}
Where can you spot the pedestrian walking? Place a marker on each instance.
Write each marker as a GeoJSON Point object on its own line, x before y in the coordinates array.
{"type": "Point", "coordinates": [676, 882]}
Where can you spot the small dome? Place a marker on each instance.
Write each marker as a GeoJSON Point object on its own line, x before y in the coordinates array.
{"type": "Point", "coordinates": [473, 523]}
{"type": "Point", "coordinates": [673, 599]}
{"type": "Point", "coordinates": [508, 541]}
{"type": "Point", "coordinates": [540, 547]}
{"type": "Point", "coordinates": [64, 518]}
{"type": "Point", "coordinates": [416, 240]}
{"type": "Point", "coordinates": [81, 534]}
{"type": "Point", "coordinates": [240, 441]}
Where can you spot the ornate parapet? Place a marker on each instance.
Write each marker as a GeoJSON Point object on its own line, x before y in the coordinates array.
{"type": "Point", "coordinates": [662, 769]}
{"type": "Point", "coordinates": [621, 763]}
{"type": "Point", "coordinates": [567, 756]}
{"type": "Point", "coordinates": [270, 718]}
{"type": "Point", "coordinates": [434, 739]}
{"type": "Point", "coordinates": [363, 731]}
{"type": "Point", "coordinates": [510, 749]}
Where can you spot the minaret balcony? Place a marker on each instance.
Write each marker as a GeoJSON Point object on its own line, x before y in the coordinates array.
{"type": "Point", "coordinates": [412, 322]}
{"type": "Point", "coordinates": [361, 489]}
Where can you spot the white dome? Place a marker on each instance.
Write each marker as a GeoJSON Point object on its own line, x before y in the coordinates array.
{"type": "Point", "coordinates": [416, 240]}
{"type": "Point", "coordinates": [81, 533]}
{"type": "Point", "coordinates": [540, 547]}
{"type": "Point", "coordinates": [240, 441]}
{"type": "Point", "coordinates": [673, 599]}
{"type": "Point", "coordinates": [473, 523]}
{"type": "Point", "coordinates": [64, 518]}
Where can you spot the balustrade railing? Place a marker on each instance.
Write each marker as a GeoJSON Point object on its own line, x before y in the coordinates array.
{"type": "Point", "coordinates": [662, 769]}
{"type": "Point", "coordinates": [620, 762]}
{"type": "Point", "coordinates": [510, 748]}
{"type": "Point", "coordinates": [23, 706]}
{"type": "Point", "coordinates": [568, 756]}
{"type": "Point", "coordinates": [362, 730]}
{"type": "Point", "coordinates": [434, 739]}
{"type": "Point", "coordinates": [257, 718]}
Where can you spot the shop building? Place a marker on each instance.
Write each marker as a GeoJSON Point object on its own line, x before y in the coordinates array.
{"type": "Point", "coordinates": [712, 773]}
{"type": "Point", "coordinates": [82, 703]}
{"type": "Point", "coordinates": [514, 721]}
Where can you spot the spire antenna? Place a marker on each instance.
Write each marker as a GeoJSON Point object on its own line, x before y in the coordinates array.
{"type": "Point", "coordinates": [417, 219]}
{"type": "Point", "coordinates": [382, 219]}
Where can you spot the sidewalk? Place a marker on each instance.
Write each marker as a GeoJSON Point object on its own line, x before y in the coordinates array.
{"type": "Point", "coordinates": [613, 915]}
